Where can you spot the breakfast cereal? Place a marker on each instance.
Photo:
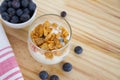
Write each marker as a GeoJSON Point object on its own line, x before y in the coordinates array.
{"type": "Point", "coordinates": [47, 36]}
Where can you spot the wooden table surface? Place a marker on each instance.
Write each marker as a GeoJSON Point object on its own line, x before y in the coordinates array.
{"type": "Point", "coordinates": [96, 28]}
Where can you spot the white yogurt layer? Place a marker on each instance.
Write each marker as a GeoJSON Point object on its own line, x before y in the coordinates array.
{"type": "Point", "coordinates": [42, 59]}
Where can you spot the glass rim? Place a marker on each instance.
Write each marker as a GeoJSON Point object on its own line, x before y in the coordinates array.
{"type": "Point", "coordinates": [55, 49]}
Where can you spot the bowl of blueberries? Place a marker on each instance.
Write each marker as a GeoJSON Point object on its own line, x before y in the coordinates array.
{"type": "Point", "coordinates": [17, 13]}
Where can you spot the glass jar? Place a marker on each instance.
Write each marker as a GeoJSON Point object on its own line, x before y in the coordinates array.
{"type": "Point", "coordinates": [56, 55]}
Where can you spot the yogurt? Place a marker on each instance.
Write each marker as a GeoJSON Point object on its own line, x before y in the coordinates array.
{"type": "Point", "coordinates": [42, 59]}
{"type": "Point", "coordinates": [39, 53]}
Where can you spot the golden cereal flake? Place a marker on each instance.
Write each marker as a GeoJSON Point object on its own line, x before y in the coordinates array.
{"type": "Point", "coordinates": [66, 40]}
{"type": "Point", "coordinates": [58, 35]}
{"type": "Point", "coordinates": [62, 28]}
{"type": "Point", "coordinates": [49, 55]}
{"type": "Point", "coordinates": [51, 45]}
{"type": "Point", "coordinates": [53, 36]}
{"type": "Point", "coordinates": [49, 30]}
{"type": "Point", "coordinates": [58, 43]}
{"type": "Point", "coordinates": [57, 53]}
{"type": "Point", "coordinates": [64, 32]}
{"type": "Point", "coordinates": [41, 30]}
{"type": "Point", "coordinates": [50, 42]}
{"type": "Point", "coordinates": [48, 37]}
{"type": "Point", "coordinates": [38, 41]}
{"type": "Point", "coordinates": [33, 37]}
{"type": "Point", "coordinates": [32, 34]}
{"type": "Point", "coordinates": [54, 25]}
{"type": "Point", "coordinates": [37, 29]}
{"type": "Point", "coordinates": [59, 46]}
{"type": "Point", "coordinates": [46, 24]}
{"type": "Point", "coordinates": [44, 46]}
{"type": "Point", "coordinates": [45, 31]}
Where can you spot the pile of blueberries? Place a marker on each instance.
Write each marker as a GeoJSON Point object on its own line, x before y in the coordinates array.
{"type": "Point", "coordinates": [17, 11]}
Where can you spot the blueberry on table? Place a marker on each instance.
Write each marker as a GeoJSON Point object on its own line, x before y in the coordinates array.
{"type": "Point", "coordinates": [78, 49]}
{"type": "Point", "coordinates": [14, 19]}
{"type": "Point", "coordinates": [67, 67]}
{"type": "Point", "coordinates": [25, 17]}
{"type": "Point", "coordinates": [32, 6]}
{"type": "Point", "coordinates": [43, 75]}
{"type": "Point", "coordinates": [63, 14]}
{"type": "Point", "coordinates": [11, 11]}
{"type": "Point", "coordinates": [54, 77]}
{"type": "Point", "coordinates": [15, 4]}
{"type": "Point", "coordinates": [5, 16]}
{"type": "Point", "coordinates": [24, 3]}
{"type": "Point", "coordinates": [19, 12]}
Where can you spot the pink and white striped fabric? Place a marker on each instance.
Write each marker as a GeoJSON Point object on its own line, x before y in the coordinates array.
{"type": "Point", "coordinates": [9, 69]}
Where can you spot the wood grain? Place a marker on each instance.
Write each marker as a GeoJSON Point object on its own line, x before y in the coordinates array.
{"type": "Point", "coordinates": [96, 27]}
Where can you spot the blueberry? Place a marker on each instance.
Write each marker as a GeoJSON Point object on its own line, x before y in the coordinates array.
{"type": "Point", "coordinates": [32, 6]}
{"type": "Point", "coordinates": [15, 4]}
{"type": "Point", "coordinates": [2, 9]}
{"type": "Point", "coordinates": [9, 3]}
{"type": "Point", "coordinates": [5, 16]}
{"type": "Point", "coordinates": [26, 11]}
{"type": "Point", "coordinates": [54, 77]}
{"type": "Point", "coordinates": [61, 40]}
{"type": "Point", "coordinates": [43, 75]}
{"type": "Point", "coordinates": [24, 3]}
{"type": "Point", "coordinates": [78, 49]}
{"type": "Point", "coordinates": [14, 19]}
{"type": "Point", "coordinates": [67, 67]}
{"type": "Point", "coordinates": [11, 11]}
{"type": "Point", "coordinates": [24, 17]}
{"type": "Point", "coordinates": [4, 4]}
{"type": "Point", "coordinates": [63, 14]}
{"type": "Point", "coordinates": [19, 12]}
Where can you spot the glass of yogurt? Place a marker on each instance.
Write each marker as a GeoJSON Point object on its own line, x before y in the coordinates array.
{"type": "Point", "coordinates": [42, 45]}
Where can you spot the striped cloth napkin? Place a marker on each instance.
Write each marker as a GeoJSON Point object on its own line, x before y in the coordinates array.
{"type": "Point", "coordinates": [9, 69]}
